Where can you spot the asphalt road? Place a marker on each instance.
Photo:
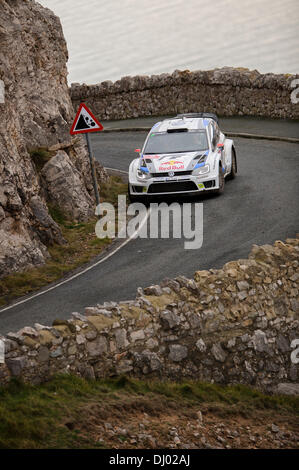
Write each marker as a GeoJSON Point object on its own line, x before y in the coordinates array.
{"type": "Point", "coordinates": [259, 206]}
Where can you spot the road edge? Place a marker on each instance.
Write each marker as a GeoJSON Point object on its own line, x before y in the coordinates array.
{"type": "Point", "coordinates": [113, 248]}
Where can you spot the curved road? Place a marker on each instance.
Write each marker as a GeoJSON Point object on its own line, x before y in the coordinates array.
{"type": "Point", "coordinates": [259, 206]}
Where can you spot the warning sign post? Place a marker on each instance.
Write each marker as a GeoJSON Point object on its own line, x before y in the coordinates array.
{"type": "Point", "coordinates": [84, 123]}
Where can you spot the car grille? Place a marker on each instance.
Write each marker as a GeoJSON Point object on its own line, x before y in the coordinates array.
{"type": "Point", "coordinates": [176, 173]}
{"type": "Point", "coordinates": [137, 189]}
{"type": "Point", "coordinates": [172, 187]}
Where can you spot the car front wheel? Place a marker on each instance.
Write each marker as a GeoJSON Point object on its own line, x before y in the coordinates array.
{"type": "Point", "coordinates": [234, 165]}
{"type": "Point", "coordinates": [221, 181]}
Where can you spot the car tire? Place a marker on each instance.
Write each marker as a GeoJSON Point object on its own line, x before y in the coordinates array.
{"type": "Point", "coordinates": [233, 172]}
{"type": "Point", "coordinates": [221, 181]}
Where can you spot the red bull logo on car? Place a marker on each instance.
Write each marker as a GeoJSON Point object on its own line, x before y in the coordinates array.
{"type": "Point", "coordinates": [172, 165]}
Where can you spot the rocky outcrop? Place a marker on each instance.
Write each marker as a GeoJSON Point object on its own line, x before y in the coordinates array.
{"type": "Point", "coordinates": [238, 324]}
{"type": "Point", "coordinates": [36, 114]}
{"type": "Point", "coordinates": [227, 91]}
{"type": "Point", "coordinates": [64, 187]}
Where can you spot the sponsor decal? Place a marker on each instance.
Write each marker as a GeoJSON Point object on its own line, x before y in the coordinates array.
{"type": "Point", "coordinates": [201, 186]}
{"type": "Point", "coordinates": [172, 165]}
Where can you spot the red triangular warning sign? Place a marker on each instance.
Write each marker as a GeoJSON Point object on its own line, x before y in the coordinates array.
{"type": "Point", "coordinates": [85, 121]}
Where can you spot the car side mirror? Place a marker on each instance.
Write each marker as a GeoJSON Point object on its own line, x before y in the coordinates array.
{"type": "Point", "coordinates": [137, 150]}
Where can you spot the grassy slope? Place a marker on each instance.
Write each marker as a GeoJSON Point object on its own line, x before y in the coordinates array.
{"type": "Point", "coordinates": [82, 245]}
{"type": "Point", "coordinates": [70, 412]}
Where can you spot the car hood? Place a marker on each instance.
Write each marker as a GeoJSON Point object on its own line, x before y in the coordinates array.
{"type": "Point", "coordinates": [176, 162]}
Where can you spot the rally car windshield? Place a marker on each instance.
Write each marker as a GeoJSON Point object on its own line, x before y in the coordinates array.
{"type": "Point", "coordinates": [176, 142]}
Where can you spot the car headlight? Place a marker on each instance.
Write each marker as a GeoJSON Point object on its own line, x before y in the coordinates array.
{"type": "Point", "coordinates": [201, 170]}
{"type": "Point", "coordinates": [143, 173]}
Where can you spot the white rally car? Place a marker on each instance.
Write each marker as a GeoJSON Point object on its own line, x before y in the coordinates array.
{"type": "Point", "coordinates": [186, 154]}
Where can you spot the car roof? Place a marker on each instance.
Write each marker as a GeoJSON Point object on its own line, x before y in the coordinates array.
{"type": "Point", "coordinates": [187, 122]}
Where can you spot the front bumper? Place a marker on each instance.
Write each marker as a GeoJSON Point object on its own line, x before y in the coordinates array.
{"type": "Point", "coordinates": [164, 185]}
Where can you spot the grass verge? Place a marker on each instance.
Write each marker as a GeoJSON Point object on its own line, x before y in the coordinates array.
{"type": "Point", "coordinates": [71, 412]}
{"type": "Point", "coordinates": [82, 245]}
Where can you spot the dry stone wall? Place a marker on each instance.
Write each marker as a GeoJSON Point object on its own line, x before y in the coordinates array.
{"type": "Point", "coordinates": [226, 91]}
{"type": "Point", "coordinates": [232, 325]}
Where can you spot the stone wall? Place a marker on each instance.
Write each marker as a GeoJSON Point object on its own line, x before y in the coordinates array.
{"type": "Point", "coordinates": [232, 325]}
{"type": "Point", "coordinates": [226, 91]}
